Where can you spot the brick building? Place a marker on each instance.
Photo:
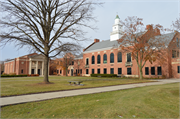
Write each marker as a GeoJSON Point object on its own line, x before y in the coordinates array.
{"type": "Point", "coordinates": [73, 64]}
{"type": "Point", "coordinates": [28, 64]}
{"type": "Point", "coordinates": [106, 57]}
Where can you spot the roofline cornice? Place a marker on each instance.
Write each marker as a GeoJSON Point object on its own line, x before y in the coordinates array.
{"type": "Point", "coordinates": [108, 48]}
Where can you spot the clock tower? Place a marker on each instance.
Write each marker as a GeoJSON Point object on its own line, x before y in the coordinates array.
{"type": "Point", "coordinates": [116, 30]}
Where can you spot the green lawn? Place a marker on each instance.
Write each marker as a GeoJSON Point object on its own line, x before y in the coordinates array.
{"type": "Point", "coordinates": [160, 101]}
{"type": "Point", "coordinates": [28, 85]}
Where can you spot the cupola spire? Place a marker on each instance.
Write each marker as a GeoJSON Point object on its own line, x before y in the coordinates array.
{"type": "Point", "coordinates": [116, 30]}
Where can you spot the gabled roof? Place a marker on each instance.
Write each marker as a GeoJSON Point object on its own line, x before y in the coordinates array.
{"type": "Point", "coordinates": [166, 37]}
{"type": "Point", "coordinates": [107, 44]}
{"type": "Point", "coordinates": [102, 45]}
{"type": "Point", "coordinates": [36, 55]}
{"type": "Point", "coordinates": [79, 56]}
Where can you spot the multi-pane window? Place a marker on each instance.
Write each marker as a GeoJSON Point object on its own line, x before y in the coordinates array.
{"type": "Point", "coordinates": [72, 62]}
{"type": "Point", "coordinates": [175, 53]}
{"type": "Point", "coordinates": [57, 71]}
{"type": "Point", "coordinates": [146, 70]}
{"type": "Point", "coordinates": [128, 71]}
{"type": "Point", "coordinates": [178, 69]}
{"type": "Point", "coordinates": [93, 59]}
{"type": "Point", "coordinates": [128, 57]}
{"type": "Point", "coordinates": [119, 57]}
{"type": "Point", "coordinates": [87, 71]}
{"type": "Point", "coordinates": [87, 61]}
{"type": "Point", "coordinates": [112, 70]}
{"type": "Point", "coordinates": [104, 58]}
{"type": "Point", "coordinates": [98, 71]}
{"type": "Point", "coordinates": [159, 72]}
{"type": "Point", "coordinates": [80, 71]}
{"type": "Point", "coordinates": [60, 71]}
{"type": "Point", "coordinates": [21, 71]}
{"type": "Point", "coordinates": [105, 71]}
{"type": "Point", "coordinates": [111, 58]}
{"type": "Point", "coordinates": [92, 71]}
{"type": "Point", "coordinates": [98, 59]}
{"type": "Point", "coordinates": [152, 70]}
{"type": "Point", "coordinates": [119, 70]}
{"type": "Point", "coordinates": [177, 42]}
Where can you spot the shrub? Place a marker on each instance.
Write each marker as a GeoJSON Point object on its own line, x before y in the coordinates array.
{"type": "Point", "coordinates": [103, 75]}
{"type": "Point", "coordinates": [6, 75]}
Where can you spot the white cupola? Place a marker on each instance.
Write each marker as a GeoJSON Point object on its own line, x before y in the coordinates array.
{"type": "Point", "coordinates": [116, 30]}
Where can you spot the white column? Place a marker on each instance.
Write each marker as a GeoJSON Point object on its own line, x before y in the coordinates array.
{"type": "Point", "coordinates": [36, 72]}
{"type": "Point", "coordinates": [42, 67]}
{"type": "Point", "coordinates": [30, 62]}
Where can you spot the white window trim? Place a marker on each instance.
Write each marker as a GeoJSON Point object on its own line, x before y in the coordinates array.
{"type": "Point", "coordinates": [88, 61]}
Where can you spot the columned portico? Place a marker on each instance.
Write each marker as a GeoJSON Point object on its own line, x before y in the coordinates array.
{"type": "Point", "coordinates": [36, 65]}
{"type": "Point", "coordinates": [36, 72]}
{"type": "Point", "coordinates": [30, 63]}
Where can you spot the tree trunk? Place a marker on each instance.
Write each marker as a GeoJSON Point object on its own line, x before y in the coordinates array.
{"type": "Point", "coordinates": [141, 73]}
{"type": "Point", "coordinates": [66, 71]}
{"type": "Point", "coordinates": [46, 69]}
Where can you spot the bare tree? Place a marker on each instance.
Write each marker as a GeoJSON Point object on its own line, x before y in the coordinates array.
{"type": "Point", "coordinates": [142, 44]}
{"type": "Point", "coordinates": [47, 26]}
{"type": "Point", "coordinates": [176, 24]}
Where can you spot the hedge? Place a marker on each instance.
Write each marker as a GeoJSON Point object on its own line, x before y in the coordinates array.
{"type": "Point", "coordinates": [103, 75]}
{"type": "Point", "coordinates": [6, 75]}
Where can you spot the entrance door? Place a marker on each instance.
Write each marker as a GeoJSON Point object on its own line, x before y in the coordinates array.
{"type": "Point", "coordinates": [71, 72]}
{"type": "Point", "coordinates": [32, 71]}
{"type": "Point", "coordinates": [39, 71]}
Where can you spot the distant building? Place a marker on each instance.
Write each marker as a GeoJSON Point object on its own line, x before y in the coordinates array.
{"type": "Point", "coordinates": [71, 64]}
{"type": "Point", "coordinates": [28, 64]}
{"type": "Point", "coordinates": [1, 67]}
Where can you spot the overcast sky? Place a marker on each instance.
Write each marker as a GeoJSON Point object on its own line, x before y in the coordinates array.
{"type": "Point", "coordinates": [161, 12]}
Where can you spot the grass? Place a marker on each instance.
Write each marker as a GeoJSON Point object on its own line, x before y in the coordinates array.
{"type": "Point", "coordinates": [29, 85]}
{"type": "Point", "coordinates": [160, 101]}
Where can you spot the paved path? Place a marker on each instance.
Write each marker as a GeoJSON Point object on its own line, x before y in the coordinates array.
{"type": "Point", "coordinates": [45, 96]}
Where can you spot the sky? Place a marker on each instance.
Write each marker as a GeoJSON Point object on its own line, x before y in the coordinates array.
{"type": "Point", "coordinates": [162, 12]}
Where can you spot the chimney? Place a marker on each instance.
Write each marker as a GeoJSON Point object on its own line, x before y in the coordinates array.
{"type": "Point", "coordinates": [96, 40]}
{"type": "Point", "coordinates": [157, 32]}
{"type": "Point", "coordinates": [149, 27]}
{"type": "Point", "coordinates": [84, 50]}
{"type": "Point", "coordinates": [175, 31]}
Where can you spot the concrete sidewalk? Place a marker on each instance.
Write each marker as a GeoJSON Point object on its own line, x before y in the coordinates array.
{"type": "Point", "coordinates": [45, 96]}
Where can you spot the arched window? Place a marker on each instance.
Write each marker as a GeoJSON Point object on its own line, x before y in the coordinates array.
{"type": "Point", "coordinates": [119, 57]}
{"type": "Point", "coordinates": [87, 61]}
{"type": "Point", "coordinates": [93, 60]}
{"type": "Point", "coordinates": [111, 58]}
{"type": "Point", "coordinates": [128, 57]}
{"type": "Point", "coordinates": [104, 58]}
{"type": "Point", "coordinates": [98, 59]}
